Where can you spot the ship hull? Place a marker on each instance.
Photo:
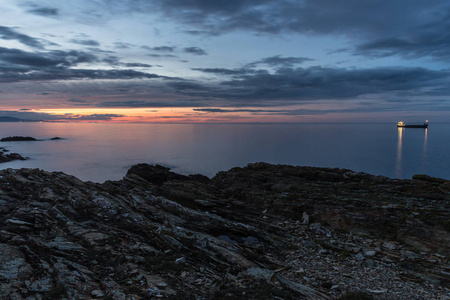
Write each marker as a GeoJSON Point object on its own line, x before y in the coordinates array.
{"type": "Point", "coordinates": [413, 126]}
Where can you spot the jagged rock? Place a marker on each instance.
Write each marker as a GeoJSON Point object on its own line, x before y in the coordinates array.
{"type": "Point", "coordinates": [158, 234]}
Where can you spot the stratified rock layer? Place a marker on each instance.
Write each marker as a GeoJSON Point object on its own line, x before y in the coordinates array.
{"type": "Point", "coordinates": [259, 232]}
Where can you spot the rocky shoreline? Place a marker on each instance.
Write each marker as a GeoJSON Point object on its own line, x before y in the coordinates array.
{"type": "Point", "coordinates": [6, 157]}
{"type": "Point", "coordinates": [259, 232]}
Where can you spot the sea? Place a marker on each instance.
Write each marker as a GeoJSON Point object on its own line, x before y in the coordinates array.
{"type": "Point", "coordinates": [105, 151]}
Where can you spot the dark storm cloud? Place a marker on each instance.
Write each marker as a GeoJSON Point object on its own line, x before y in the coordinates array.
{"type": "Point", "coordinates": [44, 11]}
{"type": "Point", "coordinates": [91, 43]}
{"type": "Point", "coordinates": [195, 51]}
{"type": "Point", "coordinates": [7, 33]}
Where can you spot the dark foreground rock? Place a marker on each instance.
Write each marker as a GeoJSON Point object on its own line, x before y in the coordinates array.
{"type": "Point", "coordinates": [259, 232]}
{"type": "Point", "coordinates": [18, 139]}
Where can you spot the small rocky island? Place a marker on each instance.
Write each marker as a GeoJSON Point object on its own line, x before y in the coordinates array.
{"type": "Point", "coordinates": [18, 139]}
{"type": "Point", "coordinates": [6, 157]}
{"type": "Point", "coordinates": [259, 232]}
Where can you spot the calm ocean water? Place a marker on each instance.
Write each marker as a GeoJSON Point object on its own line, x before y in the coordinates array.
{"type": "Point", "coordinates": [99, 152]}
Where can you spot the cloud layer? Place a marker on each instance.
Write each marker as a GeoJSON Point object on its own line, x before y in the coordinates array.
{"type": "Point", "coordinates": [225, 57]}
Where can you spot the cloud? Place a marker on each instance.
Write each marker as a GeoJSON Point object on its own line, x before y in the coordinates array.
{"type": "Point", "coordinates": [92, 117]}
{"type": "Point", "coordinates": [160, 48]}
{"type": "Point", "coordinates": [308, 16]}
{"type": "Point", "coordinates": [44, 11]}
{"type": "Point", "coordinates": [74, 74]}
{"type": "Point", "coordinates": [136, 65]}
{"type": "Point", "coordinates": [275, 62]}
{"type": "Point", "coordinates": [19, 65]}
{"type": "Point", "coordinates": [91, 43]}
{"type": "Point", "coordinates": [121, 45]}
{"type": "Point", "coordinates": [7, 33]}
{"type": "Point", "coordinates": [77, 100]}
{"type": "Point", "coordinates": [279, 61]}
{"type": "Point", "coordinates": [435, 45]}
{"type": "Point", "coordinates": [54, 58]}
{"type": "Point", "coordinates": [291, 85]}
{"type": "Point", "coordinates": [398, 100]}
{"type": "Point", "coordinates": [295, 112]}
{"type": "Point", "coordinates": [408, 28]}
{"type": "Point", "coordinates": [303, 112]}
{"type": "Point", "coordinates": [160, 55]}
{"type": "Point", "coordinates": [187, 85]}
{"type": "Point", "coordinates": [222, 110]}
{"type": "Point", "coordinates": [38, 116]}
{"type": "Point", "coordinates": [222, 71]}
{"type": "Point", "coordinates": [331, 83]}
{"type": "Point", "coordinates": [195, 51]}
{"type": "Point", "coordinates": [145, 103]}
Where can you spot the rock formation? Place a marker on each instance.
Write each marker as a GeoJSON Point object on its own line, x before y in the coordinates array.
{"type": "Point", "coordinates": [5, 156]}
{"type": "Point", "coordinates": [240, 235]}
{"type": "Point", "coordinates": [18, 139]}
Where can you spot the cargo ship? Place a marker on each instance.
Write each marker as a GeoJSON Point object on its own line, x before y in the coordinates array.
{"type": "Point", "coordinates": [402, 124]}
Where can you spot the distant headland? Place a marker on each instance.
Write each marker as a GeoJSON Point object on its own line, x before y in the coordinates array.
{"type": "Point", "coordinates": [14, 119]}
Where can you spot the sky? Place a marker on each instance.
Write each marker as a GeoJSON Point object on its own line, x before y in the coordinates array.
{"type": "Point", "coordinates": [225, 60]}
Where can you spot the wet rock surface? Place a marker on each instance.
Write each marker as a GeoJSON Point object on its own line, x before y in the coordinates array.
{"type": "Point", "coordinates": [259, 232]}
